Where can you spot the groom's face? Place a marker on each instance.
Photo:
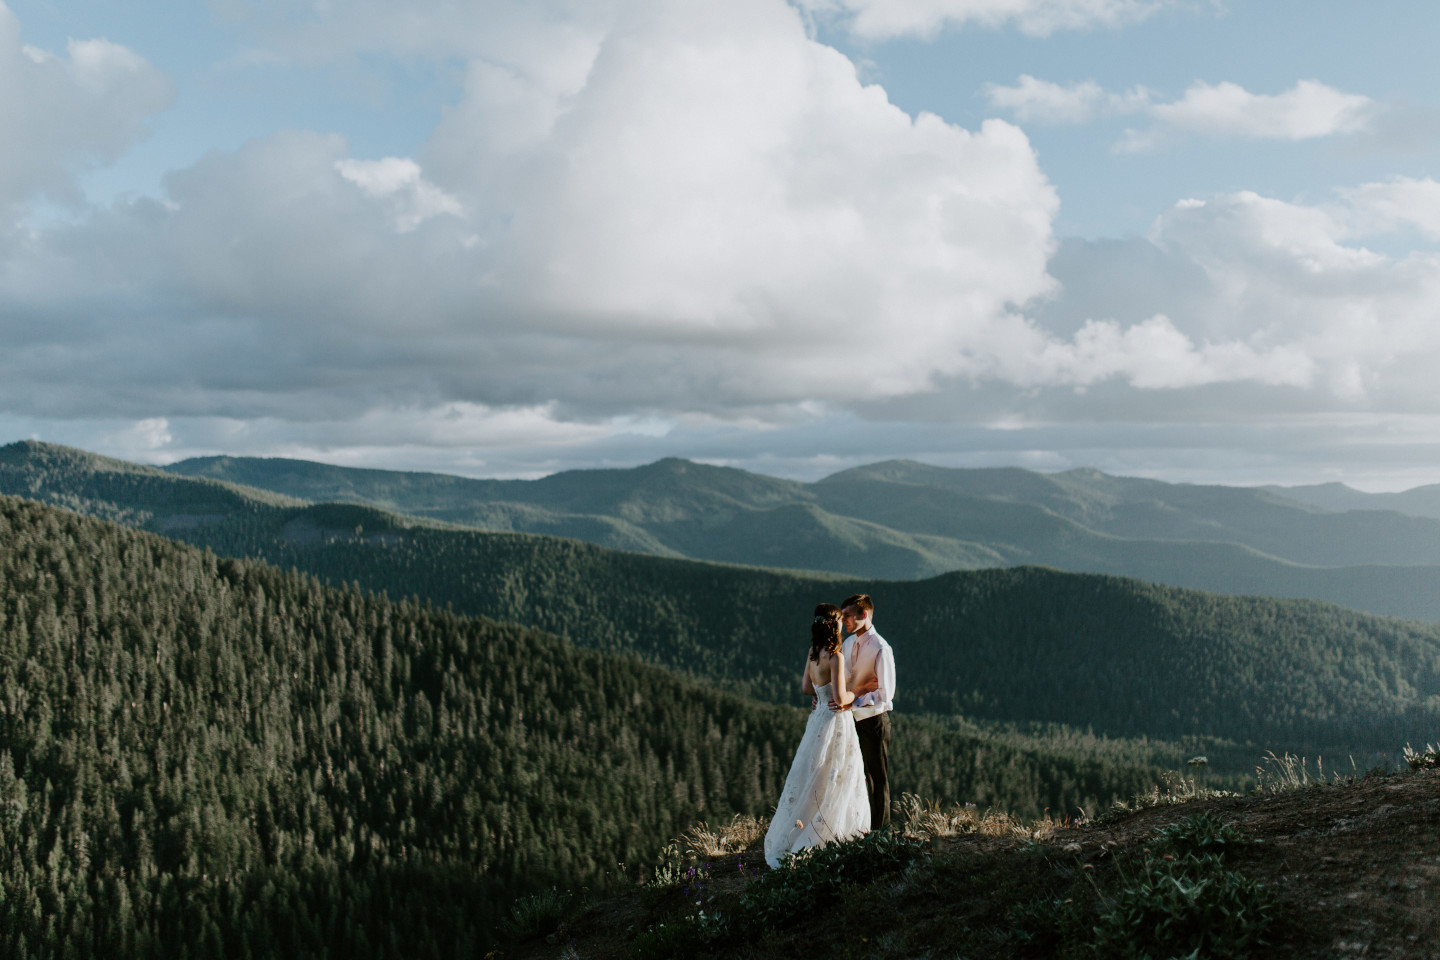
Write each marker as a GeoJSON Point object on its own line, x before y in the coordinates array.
{"type": "Point", "coordinates": [852, 619]}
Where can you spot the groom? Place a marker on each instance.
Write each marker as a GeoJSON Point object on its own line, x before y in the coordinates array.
{"type": "Point", "coordinates": [870, 665]}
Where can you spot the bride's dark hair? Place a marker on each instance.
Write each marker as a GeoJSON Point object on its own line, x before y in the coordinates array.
{"type": "Point", "coordinates": [825, 631]}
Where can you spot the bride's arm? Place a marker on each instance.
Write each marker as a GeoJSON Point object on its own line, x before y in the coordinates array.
{"type": "Point", "coordinates": [842, 695]}
{"type": "Point", "coordinates": [806, 686]}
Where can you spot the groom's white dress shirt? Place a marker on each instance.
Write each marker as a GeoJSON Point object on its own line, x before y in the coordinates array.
{"type": "Point", "coordinates": [860, 653]}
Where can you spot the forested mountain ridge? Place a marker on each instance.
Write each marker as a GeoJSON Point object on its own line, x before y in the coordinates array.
{"type": "Point", "coordinates": [128, 493]}
{"type": "Point", "coordinates": [1014, 646]}
{"type": "Point", "coordinates": [905, 520]}
{"type": "Point", "coordinates": [1028, 644]}
{"type": "Point", "coordinates": [205, 757]}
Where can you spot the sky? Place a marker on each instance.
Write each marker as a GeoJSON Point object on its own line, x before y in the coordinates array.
{"type": "Point", "coordinates": [1184, 239]}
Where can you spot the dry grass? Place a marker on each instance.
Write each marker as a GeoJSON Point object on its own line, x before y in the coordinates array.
{"type": "Point", "coordinates": [924, 819]}
{"type": "Point", "coordinates": [741, 834]}
{"type": "Point", "coordinates": [1420, 761]}
{"type": "Point", "coordinates": [914, 816]}
{"type": "Point", "coordinates": [1176, 789]}
{"type": "Point", "coordinates": [1285, 773]}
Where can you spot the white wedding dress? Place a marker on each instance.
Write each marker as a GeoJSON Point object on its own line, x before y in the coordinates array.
{"type": "Point", "coordinates": [824, 797]}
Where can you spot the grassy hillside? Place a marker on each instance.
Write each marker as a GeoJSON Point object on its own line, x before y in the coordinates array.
{"type": "Point", "coordinates": [209, 757]}
{"type": "Point", "coordinates": [904, 520]}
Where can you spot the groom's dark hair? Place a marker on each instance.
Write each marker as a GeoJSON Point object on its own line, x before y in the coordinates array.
{"type": "Point", "coordinates": [860, 600]}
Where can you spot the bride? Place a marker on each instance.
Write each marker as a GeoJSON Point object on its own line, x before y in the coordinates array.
{"type": "Point", "coordinates": [824, 797]}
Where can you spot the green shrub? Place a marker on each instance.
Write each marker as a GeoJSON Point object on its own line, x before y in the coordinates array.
{"type": "Point", "coordinates": [669, 868]}
{"type": "Point", "coordinates": [1046, 921]}
{"type": "Point", "coordinates": [1181, 907]}
{"type": "Point", "coordinates": [670, 939]}
{"type": "Point", "coordinates": [801, 882]}
{"type": "Point", "coordinates": [1200, 834]}
{"type": "Point", "coordinates": [813, 876]}
{"type": "Point", "coordinates": [537, 914]}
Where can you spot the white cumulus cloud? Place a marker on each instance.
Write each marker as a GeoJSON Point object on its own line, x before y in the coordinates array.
{"type": "Point", "coordinates": [1043, 102]}
{"type": "Point", "coordinates": [880, 19]}
{"type": "Point", "coordinates": [63, 114]}
{"type": "Point", "coordinates": [1306, 111]}
{"type": "Point", "coordinates": [1396, 204]}
{"type": "Point", "coordinates": [715, 217]}
{"type": "Point", "coordinates": [1278, 300]}
{"type": "Point", "coordinates": [549, 37]}
{"type": "Point", "coordinates": [416, 199]}
{"type": "Point", "coordinates": [1153, 355]}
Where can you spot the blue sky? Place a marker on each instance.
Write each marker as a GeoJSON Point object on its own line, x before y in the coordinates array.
{"type": "Point", "coordinates": [1188, 240]}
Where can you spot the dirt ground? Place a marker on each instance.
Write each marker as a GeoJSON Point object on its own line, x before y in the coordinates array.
{"type": "Point", "coordinates": [1354, 868]}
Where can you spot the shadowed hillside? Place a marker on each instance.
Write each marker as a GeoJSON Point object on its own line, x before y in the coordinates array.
{"type": "Point", "coordinates": [210, 757]}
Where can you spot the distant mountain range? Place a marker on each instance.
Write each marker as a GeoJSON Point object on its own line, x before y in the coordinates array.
{"type": "Point", "coordinates": [1020, 645]}
{"type": "Point", "coordinates": [906, 520]}
{"type": "Point", "coordinates": [1417, 502]}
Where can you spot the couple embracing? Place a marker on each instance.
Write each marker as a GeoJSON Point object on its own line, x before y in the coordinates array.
{"type": "Point", "coordinates": [838, 786]}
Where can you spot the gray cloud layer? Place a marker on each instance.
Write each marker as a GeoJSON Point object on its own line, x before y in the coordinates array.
{"type": "Point", "coordinates": [645, 220]}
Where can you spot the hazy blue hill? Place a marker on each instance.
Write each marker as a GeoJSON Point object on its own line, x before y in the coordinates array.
{"type": "Point", "coordinates": [662, 491]}
{"type": "Point", "coordinates": [999, 483]}
{"type": "Point", "coordinates": [1266, 522]}
{"type": "Point", "coordinates": [901, 519]}
{"type": "Point", "coordinates": [794, 535]}
{"type": "Point", "coordinates": [1136, 509]}
{"type": "Point", "coordinates": [665, 491]}
{"type": "Point", "coordinates": [612, 532]}
{"type": "Point", "coordinates": [1417, 502]}
{"type": "Point", "coordinates": [639, 509]}
{"type": "Point", "coordinates": [1019, 532]}
{"type": "Point", "coordinates": [435, 495]}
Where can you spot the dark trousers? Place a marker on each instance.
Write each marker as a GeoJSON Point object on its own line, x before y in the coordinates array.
{"type": "Point", "coordinates": [874, 735]}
